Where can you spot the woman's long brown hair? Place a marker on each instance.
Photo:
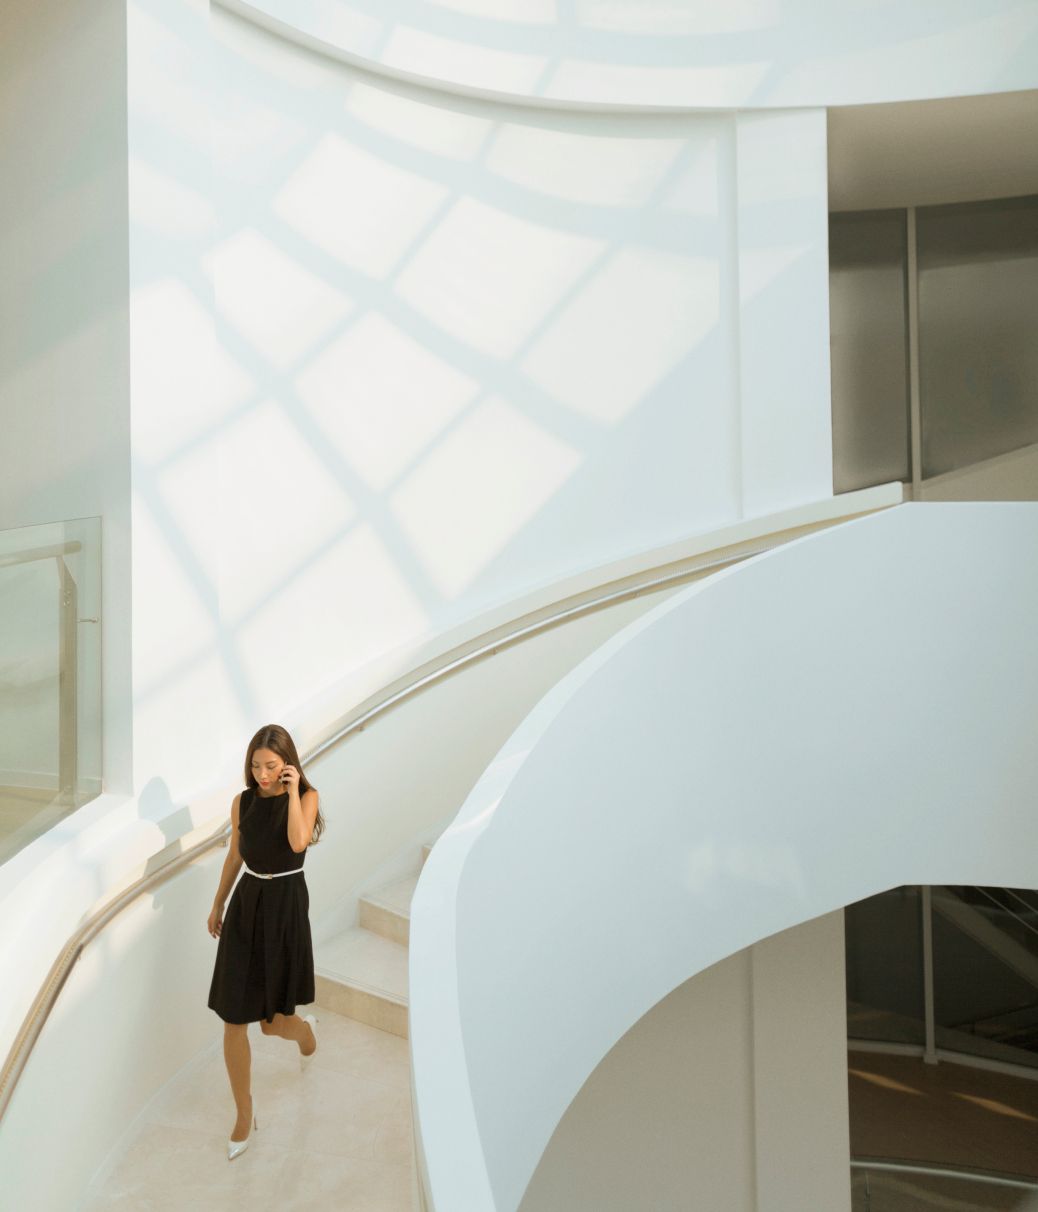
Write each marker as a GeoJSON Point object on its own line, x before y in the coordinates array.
{"type": "Point", "coordinates": [277, 740]}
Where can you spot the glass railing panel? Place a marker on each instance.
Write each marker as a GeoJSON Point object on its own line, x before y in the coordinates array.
{"type": "Point", "coordinates": [877, 1189]}
{"type": "Point", "coordinates": [50, 676]}
{"type": "Point", "coordinates": [884, 949]}
{"type": "Point", "coordinates": [986, 973]}
{"type": "Point", "coordinates": [868, 316]}
{"type": "Point", "coordinates": [978, 359]}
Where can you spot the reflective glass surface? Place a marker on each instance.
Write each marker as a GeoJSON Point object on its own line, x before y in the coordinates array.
{"type": "Point", "coordinates": [886, 1191]}
{"type": "Point", "coordinates": [986, 972]}
{"type": "Point", "coordinates": [869, 348]}
{"type": "Point", "coordinates": [885, 968]}
{"type": "Point", "coordinates": [978, 330]}
{"type": "Point", "coordinates": [50, 676]}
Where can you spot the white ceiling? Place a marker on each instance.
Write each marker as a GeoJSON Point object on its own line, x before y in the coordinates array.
{"type": "Point", "coordinates": [916, 153]}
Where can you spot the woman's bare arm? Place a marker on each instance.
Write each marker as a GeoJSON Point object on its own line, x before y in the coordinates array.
{"type": "Point", "coordinates": [232, 863]}
{"type": "Point", "coordinates": [302, 814]}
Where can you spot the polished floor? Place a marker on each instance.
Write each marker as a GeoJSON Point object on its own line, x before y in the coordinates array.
{"type": "Point", "coordinates": [339, 1135]}
{"type": "Point", "coordinates": [336, 1136]}
{"type": "Point", "coordinates": [944, 1115]}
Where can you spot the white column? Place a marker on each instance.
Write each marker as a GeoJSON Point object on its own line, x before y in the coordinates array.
{"type": "Point", "coordinates": [800, 1068]}
{"type": "Point", "coordinates": [181, 657]}
{"type": "Point", "coordinates": [783, 250]}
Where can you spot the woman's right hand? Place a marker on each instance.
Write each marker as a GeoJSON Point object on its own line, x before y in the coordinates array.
{"type": "Point", "coordinates": [215, 921]}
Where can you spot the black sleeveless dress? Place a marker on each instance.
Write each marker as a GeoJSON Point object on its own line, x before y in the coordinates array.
{"type": "Point", "coordinates": [264, 956]}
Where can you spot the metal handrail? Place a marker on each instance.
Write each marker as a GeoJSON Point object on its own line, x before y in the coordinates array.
{"type": "Point", "coordinates": [1005, 908]}
{"type": "Point", "coordinates": [650, 580]}
{"type": "Point", "coordinates": [1014, 893]}
{"type": "Point", "coordinates": [30, 554]}
{"type": "Point", "coordinates": [492, 642]}
{"type": "Point", "coordinates": [977, 1176]}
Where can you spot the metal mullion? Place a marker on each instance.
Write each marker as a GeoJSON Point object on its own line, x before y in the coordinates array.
{"type": "Point", "coordinates": [914, 405]}
{"type": "Point", "coordinates": [930, 1049]}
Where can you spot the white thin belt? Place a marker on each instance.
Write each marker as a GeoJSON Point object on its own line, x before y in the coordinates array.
{"type": "Point", "coordinates": [271, 875]}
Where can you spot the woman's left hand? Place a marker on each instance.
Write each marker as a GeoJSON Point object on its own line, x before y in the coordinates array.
{"type": "Point", "coordinates": [290, 778]}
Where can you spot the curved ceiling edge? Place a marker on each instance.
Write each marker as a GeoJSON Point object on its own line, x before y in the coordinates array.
{"type": "Point", "coordinates": [787, 65]}
{"type": "Point", "coordinates": [304, 36]}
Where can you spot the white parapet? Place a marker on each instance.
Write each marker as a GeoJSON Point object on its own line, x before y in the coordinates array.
{"type": "Point", "coordinates": [853, 711]}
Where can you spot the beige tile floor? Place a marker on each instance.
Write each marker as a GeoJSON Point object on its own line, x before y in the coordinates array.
{"type": "Point", "coordinates": [336, 1136]}
{"type": "Point", "coordinates": [367, 959]}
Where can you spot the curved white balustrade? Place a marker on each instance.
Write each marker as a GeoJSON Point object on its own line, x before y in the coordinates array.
{"type": "Point", "coordinates": [146, 976]}
{"type": "Point", "coordinates": [133, 1012]}
{"type": "Point", "coordinates": [675, 53]}
{"type": "Point", "coordinates": [851, 712]}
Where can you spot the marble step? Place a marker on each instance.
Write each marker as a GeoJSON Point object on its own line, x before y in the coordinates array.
{"type": "Point", "coordinates": [387, 910]}
{"type": "Point", "coordinates": [362, 972]}
{"type": "Point", "coordinates": [363, 975]}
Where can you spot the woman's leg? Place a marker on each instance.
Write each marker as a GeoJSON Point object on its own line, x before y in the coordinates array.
{"type": "Point", "coordinates": [291, 1026]}
{"type": "Point", "coordinates": [238, 1056]}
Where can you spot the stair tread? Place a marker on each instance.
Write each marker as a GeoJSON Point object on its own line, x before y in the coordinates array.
{"type": "Point", "coordinates": [395, 895]}
{"type": "Point", "coordinates": [359, 956]}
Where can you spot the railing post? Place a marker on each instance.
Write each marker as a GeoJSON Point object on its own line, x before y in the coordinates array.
{"type": "Point", "coordinates": [914, 402]}
{"type": "Point", "coordinates": [930, 1051]}
{"type": "Point", "coordinates": [68, 662]}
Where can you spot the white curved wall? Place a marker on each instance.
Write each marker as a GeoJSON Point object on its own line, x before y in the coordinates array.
{"type": "Point", "coordinates": [395, 352]}
{"type": "Point", "coordinates": [683, 53]}
{"type": "Point", "coordinates": [146, 978]}
{"type": "Point", "coordinates": [64, 394]}
{"type": "Point", "coordinates": [377, 808]}
{"type": "Point", "coordinates": [708, 1099]}
{"type": "Point", "coordinates": [852, 712]}
{"type": "Point", "coordinates": [246, 299]}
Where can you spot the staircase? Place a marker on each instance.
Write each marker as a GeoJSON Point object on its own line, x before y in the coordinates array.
{"type": "Point", "coordinates": [362, 972]}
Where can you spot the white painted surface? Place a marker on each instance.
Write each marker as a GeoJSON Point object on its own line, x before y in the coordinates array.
{"type": "Point", "coordinates": [463, 324]}
{"type": "Point", "coordinates": [412, 343]}
{"type": "Point", "coordinates": [64, 408]}
{"type": "Point", "coordinates": [666, 1118]}
{"type": "Point", "coordinates": [712, 1096]}
{"type": "Point", "coordinates": [132, 1013]}
{"type": "Point", "coordinates": [396, 347]}
{"type": "Point", "coordinates": [750, 54]}
{"type": "Point", "coordinates": [377, 806]}
{"type": "Point", "coordinates": [801, 1130]}
{"type": "Point", "coordinates": [406, 416]}
{"type": "Point", "coordinates": [748, 752]}
{"type": "Point", "coordinates": [782, 220]}
{"type": "Point", "coordinates": [147, 977]}
{"type": "Point", "coordinates": [187, 668]}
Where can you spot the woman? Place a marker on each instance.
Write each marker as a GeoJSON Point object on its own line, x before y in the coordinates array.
{"type": "Point", "coordinates": [264, 959]}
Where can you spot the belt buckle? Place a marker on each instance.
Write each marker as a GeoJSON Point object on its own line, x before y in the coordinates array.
{"type": "Point", "coordinates": [266, 877]}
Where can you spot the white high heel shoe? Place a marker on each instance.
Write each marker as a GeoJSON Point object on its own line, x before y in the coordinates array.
{"type": "Point", "coordinates": [234, 1147]}
{"type": "Point", "coordinates": [304, 1061]}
